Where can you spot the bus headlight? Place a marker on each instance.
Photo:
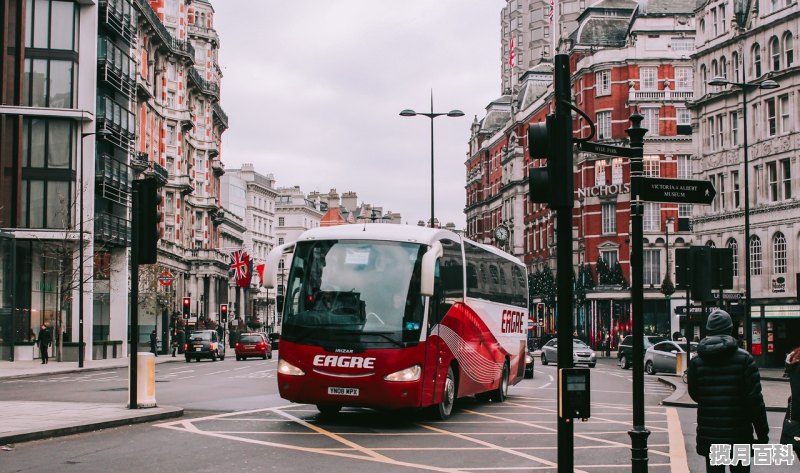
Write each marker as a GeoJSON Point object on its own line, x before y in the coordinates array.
{"type": "Point", "coordinates": [289, 369]}
{"type": "Point", "coordinates": [408, 374]}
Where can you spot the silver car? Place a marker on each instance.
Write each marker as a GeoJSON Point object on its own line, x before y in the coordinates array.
{"type": "Point", "coordinates": [662, 357]}
{"type": "Point", "coordinates": [581, 353]}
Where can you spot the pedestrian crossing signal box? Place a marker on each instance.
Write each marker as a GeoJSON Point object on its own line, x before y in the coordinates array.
{"type": "Point", "coordinates": [573, 393]}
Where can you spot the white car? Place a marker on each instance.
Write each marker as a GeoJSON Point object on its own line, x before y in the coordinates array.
{"type": "Point", "coordinates": [662, 357]}
{"type": "Point", "coordinates": [581, 353]}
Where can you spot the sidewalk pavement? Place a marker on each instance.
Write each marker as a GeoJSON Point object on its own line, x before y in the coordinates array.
{"type": "Point", "coordinates": [23, 421]}
{"type": "Point", "coordinates": [774, 388]}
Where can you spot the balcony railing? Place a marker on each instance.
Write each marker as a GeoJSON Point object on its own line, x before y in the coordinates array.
{"type": "Point", "coordinates": [183, 183]}
{"type": "Point", "coordinates": [205, 86]}
{"type": "Point", "coordinates": [113, 179]}
{"type": "Point", "coordinates": [118, 123]}
{"type": "Point", "coordinates": [112, 229]}
{"type": "Point", "coordinates": [177, 46]}
{"type": "Point", "coordinates": [679, 95]}
{"type": "Point", "coordinates": [197, 30]}
{"type": "Point", "coordinates": [218, 167]}
{"type": "Point", "coordinates": [115, 68]}
{"type": "Point", "coordinates": [219, 115]}
{"type": "Point", "coordinates": [118, 16]}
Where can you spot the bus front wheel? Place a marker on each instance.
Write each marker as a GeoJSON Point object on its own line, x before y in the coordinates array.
{"type": "Point", "coordinates": [445, 408]}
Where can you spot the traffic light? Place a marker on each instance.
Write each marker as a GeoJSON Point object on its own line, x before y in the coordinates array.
{"type": "Point", "coordinates": [540, 314]}
{"type": "Point", "coordinates": [187, 307]}
{"type": "Point", "coordinates": [279, 303]}
{"type": "Point", "coordinates": [146, 220]}
{"type": "Point", "coordinates": [223, 312]}
{"type": "Point", "coordinates": [552, 141]}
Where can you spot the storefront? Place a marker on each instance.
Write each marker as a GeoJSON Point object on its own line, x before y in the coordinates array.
{"type": "Point", "coordinates": [776, 332]}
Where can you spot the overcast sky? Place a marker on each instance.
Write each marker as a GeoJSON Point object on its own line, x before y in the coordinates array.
{"type": "Point", "coordinates": [313, 91]}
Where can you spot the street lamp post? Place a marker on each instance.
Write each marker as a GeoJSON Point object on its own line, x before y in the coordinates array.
{"type": "Point", "coordinates": [431, 115]}
{"type": "Point", "coordinates": [745, 86]}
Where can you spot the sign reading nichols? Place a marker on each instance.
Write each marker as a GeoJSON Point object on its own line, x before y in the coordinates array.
{"type": "Point", "coordinates": [602, 191]}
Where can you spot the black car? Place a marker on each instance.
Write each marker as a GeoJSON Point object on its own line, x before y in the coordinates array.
{"type": "Point", "coordinates": [529, 365]}
{"type": "Point", "coordinates": [203, 344]}
{"type": "Point", "coordinates": [625, 349]}
{"type": "Point", "coordinates": [274, 338]}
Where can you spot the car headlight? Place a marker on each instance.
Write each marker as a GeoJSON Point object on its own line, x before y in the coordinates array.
{"type": "Point", "coordinates": [594, 354]}
{"type": "Point", "coordinates": [528, 359]}
{"type": "Point", "coordinates": [409, 374]}
{"type": "Point", "coordinates": [284, 367]}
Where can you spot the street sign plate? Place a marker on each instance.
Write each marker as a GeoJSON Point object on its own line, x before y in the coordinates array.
{"type": "Point", "coordinates": [609, 150]}
{"type": "Point", "coordinates": [166, 278]}
{"type": "Point", "coordinates": [682, 191]}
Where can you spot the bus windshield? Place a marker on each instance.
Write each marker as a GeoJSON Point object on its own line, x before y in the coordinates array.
{"type": "Point", "coordinates": [354, 292]}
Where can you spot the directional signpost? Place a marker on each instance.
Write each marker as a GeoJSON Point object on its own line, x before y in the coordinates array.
{"type": "Point", "coordinates": [682, 191]}
{"type": "Point", "coordinates": [609, 150]}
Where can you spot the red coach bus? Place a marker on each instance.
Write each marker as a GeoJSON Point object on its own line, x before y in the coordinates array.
{"type": "Point", "coordinates": [396, 316]}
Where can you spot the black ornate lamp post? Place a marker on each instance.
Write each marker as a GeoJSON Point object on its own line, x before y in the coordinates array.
{"type": "Point", "coordinates": [431, 115]}
{"type": "Point", "coordinates": [746, 86]}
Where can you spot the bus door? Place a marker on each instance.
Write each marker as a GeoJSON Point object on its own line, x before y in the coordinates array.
{"type": "Point", "coordinates": [434, 345]}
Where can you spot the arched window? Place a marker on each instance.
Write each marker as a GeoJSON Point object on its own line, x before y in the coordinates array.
{"type": "Point", "coordinates": [775, 53]}
{"type": "Point", "coordinates": [723, 67]}
{"type": "Point", "coordinates": [778, 253]}
{"type": "Point", "coordinates": [788, 51]}
{"type": "Point", "coordinates": [735, 64]}
{"type": "Point", "coordinates": [755, 256]}
{"type": "Point", "coordinates": [756, 61]}
{"type": "Point", "coordinates": [711, 244]}
{"type": "Point", "coordinates": [734, 247]}
{"type": "Point", "coordinates": [714, 69]}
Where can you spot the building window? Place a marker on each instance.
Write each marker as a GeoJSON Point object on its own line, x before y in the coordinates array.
{"type": "Point", "coordinates": [281, 221]}
{"type": "Point", "coordinates": [772, 176]}
{"type": "Point", "coordinates": [775, 53]}
{"type": "Point", "coordinates": [723, 194]}
{"type": "Point", "coordinates": [735, 189]}
{"type": "Point", "coordinates": [600, 172]}
{"type": "Point", "coordinates": [788, 50]}
{"type": "Point", "coordinates": [756, 54]}
{"type": "Point", "coordinates": [714, 203]}
{"type": "Point", "coordinates": [651, 117]}
{"type": "Point", "coordinates": [648, 78]}
{"type": "Point", "coordinates": [785, 111]}
{"type": "Point", "coordinates": [778, 254]}
{"type": "Point", "coordinates": [703, 79]}
{"type": "Point", "coordinates": [684, 166]}
{"type": "Point", "coordinates": [683, 44]}
{"type": "Point", "coordinates": [280, 241]}
{"type": "Point", "coordinates": [603, 125]}
{"type": "Point", "coordinates": [198, 222]}
{"type": "Point", "coordinates": [610, 257]}
{"type": "Point", "coordinates": [651, 272]}
{"type": "Point", "coordinates": [684, 78]}
{"type": "Point", "coordinates": [772, 118]}
{"type": "Point", "coordinates": [684, 210]}
{"type": "Point", "coordinates": [51, 25]}
{"type": "Point", "coordinates": [684, 116]}
{"type": "Point", "coordinates": [755, 256]}
{"type": "Point", "coordinates": [712, 136]}
{"type": "Point", "coordinates": [734, 247]}
{"type": "Point", "coordinates": [171, 135]}
{"type": "Point", "coordinates": [721, 130]}
{"type": "Point", "coordinates": [616, 171]}
{"type": "Point", "coordinates": [48, 83]}
{"type": "Point", "coordinates": [609, 218]}
{"type": "Point", "coordinates": [786, 177]}
{"type": "Point", "coordinates": [602, 83]}
{"type": "Point", "coordinates": [48, 163]}
{"type": "Point", "coordinates": [714, 21]}
{"type": "Point", "coordinates": [652, 216]}
{"type": "Point", "coordinates": [775, 5]}
{"type": "Point", "coordinates": [723, 67]}
{"type": "Point", "coordinates": [652, 165]}
{"type": "Point", "coordinates": [734, 122]}
{"type": "Point", "coordinates": [169, 202]}
{"type": "Point", "coordinates": [735, 65]}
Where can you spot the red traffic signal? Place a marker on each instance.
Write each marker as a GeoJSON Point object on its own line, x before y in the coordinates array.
{"type": "Point", "coordinates": [187, 306]}
{"type": "Point", "coordinates": [223, 312]}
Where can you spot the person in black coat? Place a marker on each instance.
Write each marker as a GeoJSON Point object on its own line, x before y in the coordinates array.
{"type": "Point", "coordinates": [793, 372]}
{"type": "Point", "coordinates": [724, 381]}
{"type": "Point", "coordinates": [44, 341]}
{"type": "Point", "coordinates": [154, 342]}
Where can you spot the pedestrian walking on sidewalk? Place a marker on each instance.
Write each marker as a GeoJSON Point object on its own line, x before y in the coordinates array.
{"type": "Point", "coordinates": [154, 343]}
{"type": "Point", "coordinates": [791, 423]}
{"type": "Point", "coordinates": [725, 382]}
{"type": "Point", "coordinates": [44, 341]}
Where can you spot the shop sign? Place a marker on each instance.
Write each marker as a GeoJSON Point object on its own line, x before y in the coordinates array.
{"type": "Point", "coordinates": [602, 191]}
{"type": "Point", "coordinates": [779, 284]}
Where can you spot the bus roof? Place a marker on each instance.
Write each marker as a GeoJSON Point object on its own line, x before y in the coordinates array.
{"type": "Point", "coordinates": [394, 232]}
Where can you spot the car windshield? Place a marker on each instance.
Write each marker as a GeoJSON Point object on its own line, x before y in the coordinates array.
{"type": "Point", "coordinates": [363, 292]}
{"type": "Point", "coordinates": [579, 344]}
{"type": "Point", "coordinates": [652, 340]}
{"type": "Point", "coordinates": [200, 336]}
{"type": "Point", "coordinates": [250, 339]}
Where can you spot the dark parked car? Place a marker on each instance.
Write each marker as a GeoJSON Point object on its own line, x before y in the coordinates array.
{"type": "Point", "coordinates": [203, 344]}
{"type": "Point", "coordinates": [662, 357]}
{"type": "Point", "coordinates": [253, 344]}
{"type": "Point", "coordinates": [529, 365]}
{"type": "Point", "coordinates": [274, 338]}
{"type": "Point", "coordinates": [625, 349]}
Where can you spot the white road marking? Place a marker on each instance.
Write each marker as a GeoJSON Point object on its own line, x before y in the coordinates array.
{"type": "Point", "coordinates": [679, 463]}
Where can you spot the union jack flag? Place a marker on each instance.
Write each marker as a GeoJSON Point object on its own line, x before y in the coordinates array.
{"type": "Point", "coordinates": [240, 265]}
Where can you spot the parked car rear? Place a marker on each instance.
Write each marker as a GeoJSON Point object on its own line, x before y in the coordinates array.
{"type": "Point", "coordinates": [274, 339]}
{"type": "Point", "coordinates": [203, 344]}
{"type": "Point", "coordinates": [625, 349]}
{"type": "Point", "coordinates": [253, 344]}
{"type": "Point", "coordinates": [663, 356]}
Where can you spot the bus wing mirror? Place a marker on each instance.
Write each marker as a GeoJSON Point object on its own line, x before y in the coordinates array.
{"type": "Point", "coordinates": [429, 268]}
{"type": "Point", "coordinates": [271, 269]}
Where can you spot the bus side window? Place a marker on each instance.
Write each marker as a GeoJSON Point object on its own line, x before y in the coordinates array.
{"type": "Point", "coordinates": [437, 310]}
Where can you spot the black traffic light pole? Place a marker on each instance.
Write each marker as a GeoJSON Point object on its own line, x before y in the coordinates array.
{"type": "Point", "coordinates": [133, 402]}
{"type": "Point", "coordinates": [639, 433]}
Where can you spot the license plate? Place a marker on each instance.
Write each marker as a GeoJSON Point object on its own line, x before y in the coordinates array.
{"type": "Point", "coordinates": [249, 347]}
{"type": "Point", "coordinates": [343, 391]}
{"type": "Point", "coordinates": [198, 349]}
